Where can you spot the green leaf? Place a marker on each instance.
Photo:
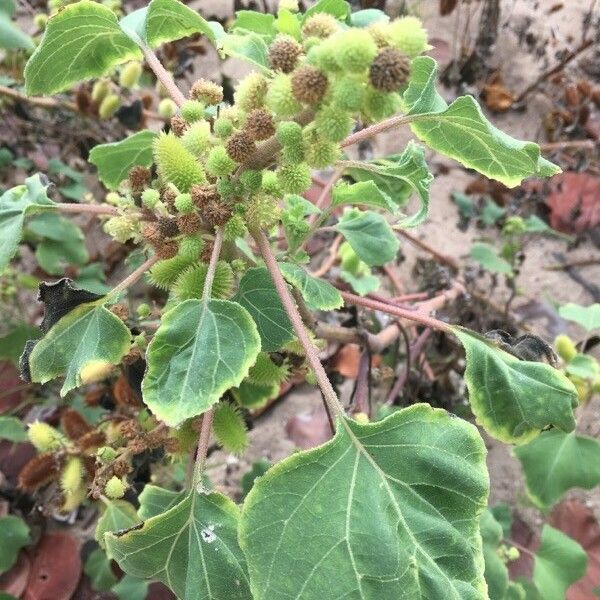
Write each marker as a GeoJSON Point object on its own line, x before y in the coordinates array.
{"type": "Point", "coordinates": [15, 205]}
{"type": "Point", "coordinates": [130, 588]}
{"type": "Point", "coordinates": [62, 244]}
{"type": "Point", "coordinates": [201, 349]}
{"type": "Point", "coordinates": [14, 534]}
{"type": "Point", "coordinates": [85, 342]}
{"type": "Point", "coordinates": [92, 278]}
{"type": "Point", "coordinates": [398, 176]}
{"type": "Point", "coordinates": [12, 429]}
{"type": "Point", "coordinates": [117, 515]}
{"type": "Point", "coordinates": [258, 296]}
{"type": "Point", "coordinates": [584, 366]}
{"type": "Point", "coordinates": [491, 212]}
{"type": "Point", "coordinates": [7, 8]}
{"type": "Point", "coordinates": [11, 36]}
{"type": "Point", "coordinates": [370, 236]}
{"type": "Point", "coordinates": [288, 23]}
{"type": "Point", "coordinates": [192, 548]}
{"type": "Point", "coordinates": [259, 468]}
{"type": "Point", "coordinates": [363, 193]}
{"type": "Point", "coordinates": [368, 16]}
{"type": "Point", "coordinates": [362, 284]}
{"type": "Point", "coordinates": [503, 514]}
{"type": "Point", "coordinates": [586, 316]}
{"type": "Point", "coordinates": [514, 399]}
{"type": "Point", "coordinates": [254, 22]}
{"type": "Point", "coordinates": [253, 395]}
{"type": "Point", "coordinates": [559, 562]}
{"type": "Point", "coordinates": [317, 293]}
{"type": "Point", "coordinates": [81, 41]}
{"type": "Point", "coordinates": [556, 462]}
{"type": "Point", "coordinates": [488, 258]}
{"type": "Point", "coordinates": [340, 9]}
{"type": "Point", "coordinates": [170, 20]}
{"type": "Point", "coordinates": [249, 47]}
{"type": "Point", "coordinates": [462, 132]}
{"type": "Point", "coordinates": [97, 568]}
{"type": "Point", "coordinates": [496, 573]}
{"type": "Point", "coordinates": [11, 345]}
{"type": "Point", "coordinates": [384, 510]}
{"type": "Point", "coordinates": [115, 160]}
{"type": "Point", "coordinates": [155, 500]}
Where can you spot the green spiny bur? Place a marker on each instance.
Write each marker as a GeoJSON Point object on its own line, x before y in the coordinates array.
{"type": "Point", "coordinates": [219, 163]}
{"type": "Point", "coordinates": [164, 273]}
{"type": "Point", "coordinates": [294, 178]}
{"type": "Point", "coordinates": [332, 123]}
{"type": "Point", "coordinates": [192, 111]}
{"type": "Point", "coordinates": [190, 283]}
{"type": "Point", "coordinates": [280, 98]}
{"type": "Point", "coordinates": [266, 372]}
{"type": "Point", "coordinates": [176, 164]}
{"type": "Point", "coordinates": [197, 138]}
{"type": "Point", "coordinates": [229, 428]}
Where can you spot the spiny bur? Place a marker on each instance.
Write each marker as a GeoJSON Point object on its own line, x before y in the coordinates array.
{"type": "Point", "coordinates": [309, 84]}
{"type": "Point", "coordinates": [108, 107]}
{"type": "Point", "coordinates": [332, 123]}
{"type": "Point", "coordinates": [207, 92]}
{"type": "Point", "coordinates": [176, 164]}
{"type": "Point", "coordinates": [284, 53]}
{"type": "Point", "coordinates": [115, 488]}
{"type": "Point", "coordinates": [408, 35]}
{"type": "Point", "coordinates": [321, 25]}
{"type": "Point", "coordinates": [190, 283]}
{"type": "Point", "coordinates": [355, 49]}
{"type": "Point", "coordinates": [229, 428]}
{"type": "Point", "coordinates": [44, 437]}
{"type": "Point", "coordinates": [240, 146]}
{"type": "Point", "coordinates": [389, 71]}
{"type": "Point", "coordinates": [259, 124]}
{"type": "Point", "coordinates": [192, 110]}
{"type": "Point", "coordinates": [251, 92]}
{"type": "Point", "coordinates": [197, 138]}
{"type": "Point", "coordinates": [280, 97]}
{"type": "Point", "coordinates": [219, 162]}
{"type": "Point", "coordinates": [294, 178]}
{"type": "Point", "coordinates": [167, 108]}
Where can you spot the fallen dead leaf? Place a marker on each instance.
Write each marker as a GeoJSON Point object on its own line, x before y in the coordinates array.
{"type": "Point", "coordinates": [497, 97]}
{"type": "Point", "coordinates": [14, 581]}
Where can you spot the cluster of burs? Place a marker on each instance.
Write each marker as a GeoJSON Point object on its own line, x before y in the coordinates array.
{"type": "Point", "coordinates": [231, 166]}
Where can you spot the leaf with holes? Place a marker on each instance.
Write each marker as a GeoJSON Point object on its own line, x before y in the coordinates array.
{"type": "Point", "coordinates": [81, 41]}
{"type": "Point", "coordinates": [514, 399]}
{"type": "Point", "coordinates": [370, 236]}
{"type": "Point", "coordinates": [82, 346]}
{"type": "Point", "coordinates": [317, 293]}
{"type": "Point", "coordinates": [462, 132]}
{"type": "Point", "coordinates": [385, 510]}
{"type": "Point", "coordinates": [115, 160]}
{"type": "Point", "coordinates": [15, 204]}
{"type": "Point", "coordinates": [201, 349]}
{"type": "Point", "coordinates": [258, 296]}
{"type": "Point", "coordinates": [192, 548]}
{"type": "Point", "coordinates": [556, 462]}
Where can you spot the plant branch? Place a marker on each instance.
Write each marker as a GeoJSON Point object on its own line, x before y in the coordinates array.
{"type": "Point", "coordinates": [330, 397]}
{"type": "Point", "coordinates": [163, 76]}
{"type": "Point", "coordinates": [447, 260]}
{"type": "Point", "coordinates": [331, 257]}
{"type": "Point", "coordinates": [212, 265]}
{"type": "Point", "coordinates": [203, 440]}
{"type": "Point", "coordinates": [377, 128]}
{"type": "Point", "coordinates": [96, 209]}
{"type": "Point", "coordinates": [133, 277]}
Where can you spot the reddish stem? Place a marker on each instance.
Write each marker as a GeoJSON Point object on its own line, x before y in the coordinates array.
{"type": "Point", "coordinates": [203, 440]}
{"type": "Point", "coordinates": [163, 76]}
{"type": "Point", "coordinates": [133, 277]}
{"type": "Point", "coordinates": [96, 209]}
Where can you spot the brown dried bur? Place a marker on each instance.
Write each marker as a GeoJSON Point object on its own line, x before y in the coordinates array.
{"type": "Point", "coordinates": [389, 70]}
{"type": "Point", "coordinates": [240, 146]}
{"type": "Point", "coordinates": [121, 311]}
{"type": "Point", "coordinates": [284, 53]}
{"type": "Point", "coordinates": [309, 84]}
{"type": "Point", "coordinates": [259, 124]}
{"type": "Point", "coordinates": [39, 471]}
{"type": "Point", "coordinates": [189, 224]}
{"type": "Point", "coordinates": [74, 424]}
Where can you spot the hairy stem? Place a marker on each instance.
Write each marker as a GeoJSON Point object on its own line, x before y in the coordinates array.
{"type": "Point", "coordinates": [133, 277]}
{"type": "Point", "coordinates": [330, 397]}
{"type": "Point", "coordinates": [373, 130]}
{"type": "Point", "coordinates": [163, 76]}
{"type": "Point", "coordinates": [212, 265]}
{"type": "Point", "coordinates": [96, 209]}
{"type": "Point", "coordinates": [203, 440]}
{"type": "Point", "coordinates": [412, 315]}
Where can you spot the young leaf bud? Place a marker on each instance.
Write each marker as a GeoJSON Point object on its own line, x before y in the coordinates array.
{"type": "Point", "coordinates": [309, 84]}
{"type": "Point", "coordinates": [175, 164]}
{"type": "Point", "coordinates": [284, 53]}
{"type": "Point", "coordinates": [100, 90]}
{"type": "Point", "coordinates": [389, 71]}
{"type": "Point", "coordinates": [130, 74]}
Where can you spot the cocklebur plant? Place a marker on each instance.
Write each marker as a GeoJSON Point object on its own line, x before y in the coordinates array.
{"type": "Point", "coordinates": [386, 509]}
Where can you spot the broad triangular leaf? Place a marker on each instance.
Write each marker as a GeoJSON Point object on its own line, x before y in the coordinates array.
{"type": "Point", "coordinates": [155, 500]}
{"type": "Point", "coordinates": [514, 399]}
{"type": "Point", "coordinates": [370, 236]}
{"type": "Point", "coordinates": [340, 9]}
{"type": "Point", "coordinates": [363, 193]}
{"type": "Point", "coordinates": [317, 293]}
{"type": "Point", "coordinates": [192, 548]}
{"type": "Point", "coordinates": [201, 349]}
{"type": "Point", "coordinates": [11, 36]}
{"type": "Point", "coordinates": [555, 462]}
{"type": "Point", "coordinates": [81, 41]}
{"type": "Point", "coordinates": [117, 515]}
{"type": "Point", "coordinates": [115, 160]}
{"type": "Point", "coordinates": [397, 177]}
{"type": "Point", "coordinates": [559, 562]}
{"type": "Point", "coordinates": [258, 296]}
{"type": "Point", "coordinates": [249, 47]}
{"type": "Point", "coordinates": [462, 132]}
{"type": "Point", "coordinates": [15, 204]}
{"type": "Point", "coordinates": [170, 20]}
{"type": "Point", "coordinates": [487, 256]}
{"type": "Point", "coordinates": [385, 510]}
{"type": "Point", "coordinates": [496, 573]}
{"type": "Point", "coordinates": [586, 316]}
{"type": "Point", "coordinates": [82, 345]}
